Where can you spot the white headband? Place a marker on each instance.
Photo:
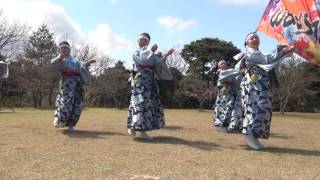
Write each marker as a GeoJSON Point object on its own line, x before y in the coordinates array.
{"type": "Point", "coordinates": [222, 61]}
{"type": "Point", "coordinates": [64, 45]}
{"type": "Point", "coordinates": [252, 34]}
{"type": "Point", "coordinates": [144, 37]}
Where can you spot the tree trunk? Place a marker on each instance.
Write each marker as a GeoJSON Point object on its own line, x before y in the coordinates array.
{"type": "Point", "coordinates": [20, 98]}
{"type": "Point", "coordinates": [40, 99]}
{"type": "Point", "coordinates": [34, 99]}
{"type": "Point", "coordinates": [50, 98]}
{"type": "Point", "coordinates": [284, 104]}
{"type": "Point", "coordinates": [201, 105]}
{"type": "Point", "coordinates": [281, 103]}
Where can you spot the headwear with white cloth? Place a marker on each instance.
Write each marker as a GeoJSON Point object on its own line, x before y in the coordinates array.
{"type": "Point", "coordinates": [248, 36]}
{"type": "Point", "coordinates": [64, 44]}
{"type": "Point", "coordinates": [221, 62]}
{"type": "Point", "coordinates": [145, 36]}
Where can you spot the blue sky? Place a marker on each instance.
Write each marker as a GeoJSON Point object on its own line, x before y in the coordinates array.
{"type": "Point", "coordinates": [113, 25]}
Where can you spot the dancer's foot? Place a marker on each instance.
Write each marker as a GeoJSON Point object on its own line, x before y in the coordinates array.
{"type": "Point", "coordinates": [233, 130]}
{"type": "Point", "coordinates": [56, 122]}
{"type": "Point", "coordinates": [131, 132]}
{"type": "Point", "coordinates": [253, 142]}
{"type": "Point", "coordinates": [222, 129]}
{"type": "Point", "coordinates": [144, 135]}
{"type": "Point", "coordinates": [70, 128]}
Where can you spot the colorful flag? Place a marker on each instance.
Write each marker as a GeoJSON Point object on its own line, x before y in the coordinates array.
{"type": "Point", "coordinates": [294, 22]}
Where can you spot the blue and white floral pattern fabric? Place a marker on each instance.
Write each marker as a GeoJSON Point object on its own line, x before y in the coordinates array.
{"type": "Point", "coordinates": [225, 100]}
{"type": "Point", "coordinates": [256, 92]}
{"type": "Point", "coordinates": [145, 112]}
{"type": "Point", "coordinates": [70, 99]}
{"type": "Point", "coordinates": [69, 102]}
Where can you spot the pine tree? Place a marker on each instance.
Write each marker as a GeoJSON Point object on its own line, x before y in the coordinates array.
{"type": "Point", "coordinates": [41, 47]}
{"type": "Point", "coordinates": [39, 50]}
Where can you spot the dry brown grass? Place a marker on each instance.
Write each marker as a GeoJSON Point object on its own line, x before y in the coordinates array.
{"type": "Point", "coordinates": [188, 148]}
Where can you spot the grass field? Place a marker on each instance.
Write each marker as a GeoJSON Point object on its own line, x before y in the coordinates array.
{"type": "Point", "coordinates": [188, 148]}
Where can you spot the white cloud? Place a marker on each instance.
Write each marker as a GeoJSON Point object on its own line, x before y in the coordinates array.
{"type": "Point", "coordinates": [175, 24]}
{"type": "Point", "coordinates": [245, 2]}
{"type": "Point", "coordinates": [34, 13]}
{"type": "Point", "coordinates": [37, 12]}
{"type": "Point", "coordinates": [105, 40]}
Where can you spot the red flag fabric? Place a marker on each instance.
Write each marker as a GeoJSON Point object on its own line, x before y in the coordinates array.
{"type": "Point", "coordinates": [294, 22]}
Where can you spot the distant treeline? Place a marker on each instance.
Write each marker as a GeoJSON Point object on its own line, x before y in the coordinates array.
{"type": "Point", "coordinates": [193, 66]}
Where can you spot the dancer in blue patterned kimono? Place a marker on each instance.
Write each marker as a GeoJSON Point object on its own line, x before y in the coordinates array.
{"type": "Point", "coordinates": [225, 99]}
{"type": "Point", "coordinates": [237, 114]}
{"type": "Point", "coordinates": [145, 112]}
{"type": "Point", "coordinates": [256, 90]}
{"type": "Point", "coordinates": [70, 99]}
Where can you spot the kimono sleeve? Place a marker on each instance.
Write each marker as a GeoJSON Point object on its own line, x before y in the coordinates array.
{"type": "Point", "coordinates": [228, 74]}
{"type": "Point", "coordinates": [273, 60]}
{"type": "Point", "coordinates": [233, 76]}
{"type": "Point", "coordinates": [52, 69]}
{"type": "Point", "coordinates": [85, 75]}
{"type": "Point", "coordinates": [162, 71]}
{"type": "Point", "coordinates": [266, 62]}
{"type": "Point", "coordinates": [236, 81]}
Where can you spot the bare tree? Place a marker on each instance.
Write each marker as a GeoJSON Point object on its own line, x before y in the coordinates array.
{"type": "Point", "coordinates": [86, 53]}
{"type": "Point", "coordinates": [290, 80]}
{"type": "Point", "coordinates": [103, 62]}
{"type": "Point", "coordinates": [294, 83]}
{"type": "Point", "coordinates": [111, 87]}
{"type": "Point", "coordinates": [197, 88]}
{"type": "Point", "coordinates": [10, 35]}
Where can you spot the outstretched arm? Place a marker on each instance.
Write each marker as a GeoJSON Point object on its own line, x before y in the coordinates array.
{"type": "Point", "coordinates": [90, 62]}
{"type": "Point", "coordinates": [168, 53]}
{"type": "Point", "coordinates": [287, 49]}
{"type": "Point", "coordinates": [154, 48]}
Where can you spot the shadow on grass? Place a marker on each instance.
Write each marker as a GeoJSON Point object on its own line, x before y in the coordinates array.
{"type": "Point", "coordinates": [293, 151]}
{"type": "Point", "coordinates": [177, 141]}
{"type": "Point", "coordinates": [172, 127]}
{"type": "Point", "coordinates": [280, 136]}
{"type": "Point", "coordinates": [89, 134]}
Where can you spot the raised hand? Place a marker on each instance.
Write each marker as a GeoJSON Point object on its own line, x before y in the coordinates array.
{"type": "Point", "coordinates": [62, 56]}
{"type": "Point", "coordinates": [170, 52]}
{"type": "Point", "coordinates": [90, 62]}
{"type": "Point", "coordinates": [63, 52]}
{"type": "Point", "coordinates": [287, 49]}
{"type": "Point", "coordinates": [154, 48]}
